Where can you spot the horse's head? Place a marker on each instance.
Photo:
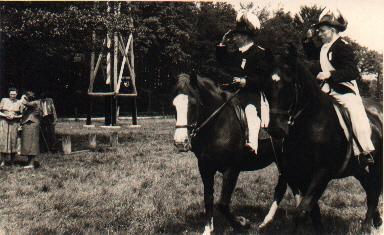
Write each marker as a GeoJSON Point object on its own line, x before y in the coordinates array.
{"type": "Point", "coordinates": [190, 93]}
{"type": "Point", "coordinates": [282, 87]}
{"type": "Point", "coordinates": [292, 87]}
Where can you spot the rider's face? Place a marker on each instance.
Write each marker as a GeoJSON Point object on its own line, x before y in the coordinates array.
{"type": "Point", "coordinates": [239, 40]}
{"type": "Point", "coordinates": [234, 41]}
{"type": "Point", "coordinates": [12, 95]}
{"type": "Point", "coordinates": [326, 33]}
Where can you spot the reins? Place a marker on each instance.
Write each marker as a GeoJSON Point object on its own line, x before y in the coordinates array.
{"type": "Point", "coordinates": [295, 111]}
{"type": "Point", "coordinates": [196, 128]}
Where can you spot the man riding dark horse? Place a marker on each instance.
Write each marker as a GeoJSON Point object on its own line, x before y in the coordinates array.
{"type": "Point", "coordinates": [336, 67]}
{"type": "Point", "coordinates": [248, 64]}
{"type": "Point", "coordinates": [316, 149]}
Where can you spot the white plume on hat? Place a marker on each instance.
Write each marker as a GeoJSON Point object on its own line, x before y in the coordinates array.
{"type": "Point", "coordinates": [333, 17]}
{"type": "Point", "coordinates": [249, 19]}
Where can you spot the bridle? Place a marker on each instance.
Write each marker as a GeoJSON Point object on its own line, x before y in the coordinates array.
{"type": "Point", "coordinates": [295, 109]}
{"type": "Point", "coordinates": [196, 127]}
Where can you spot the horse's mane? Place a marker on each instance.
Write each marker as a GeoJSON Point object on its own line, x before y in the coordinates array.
{"type": "Point", "coordinates": [306, 79]}
{"type": "Point", "coordinates": [184, 84]}
{"type": "Point", "coordinates": [209, 84]}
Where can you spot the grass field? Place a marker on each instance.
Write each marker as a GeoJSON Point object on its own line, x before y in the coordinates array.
{"type": "Point", "coordinates": [144, 187]}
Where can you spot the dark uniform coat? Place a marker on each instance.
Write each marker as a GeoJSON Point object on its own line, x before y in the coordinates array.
{"type": "Point", "coordinates": [342, 58]}
{"type": "Point", "coordinates": [255, 65]}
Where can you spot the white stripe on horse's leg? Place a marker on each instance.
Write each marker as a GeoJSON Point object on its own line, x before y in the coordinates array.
{"type": "Point", "coordinates": [181, 104]}
{"type": "Point", "coordinates": [298, 199]}
{"type": "Point", "coordinates": [264, 111]}
{"type": "Point", "coordinates": [208, 229]}
{"type": "Point", "coordinates": [269, 217]}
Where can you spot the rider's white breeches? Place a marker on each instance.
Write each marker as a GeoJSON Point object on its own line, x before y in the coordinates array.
{"type": "Point", "coordinates": [360, 123]}
{"type": "Point", "coordinates": [253, 122]}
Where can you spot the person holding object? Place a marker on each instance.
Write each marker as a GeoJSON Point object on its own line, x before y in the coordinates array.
{"type": "Point", "coordinates": [248, 64]}
{"type": "Point", "coordinates": [337, 68]}
{"type": "Point", "coordinates": [10, 114]}
{"type": "Point", "coordinates": [47, 124]}
{"type": "Point", "coordinates": [30, 121]}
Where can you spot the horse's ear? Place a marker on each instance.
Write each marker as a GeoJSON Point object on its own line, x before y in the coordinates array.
{"type": "Point", "coordinates": [292, 51]}
{"type": "Point", "coordinates": [269, 55]}
{"type": "Point", "coordinates": [193, 80]}
{"type": "Point", "coordinates": [199, 81]}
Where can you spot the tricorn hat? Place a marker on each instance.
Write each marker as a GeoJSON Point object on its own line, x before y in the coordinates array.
{"type": "Point", "coordinates": [332, 18]}
{"type": "Point", "coordinates": [247, 22]}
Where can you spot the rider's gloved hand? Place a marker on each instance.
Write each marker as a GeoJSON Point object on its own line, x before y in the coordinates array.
{"type": "Point", "coordinates": [323, 76]}
{"type": "Point", "coordinates": [310, 33]}
{"type": "Point", "coordinates": [222, 44]}
{"type": "Point", "coordinates": [240, 80]}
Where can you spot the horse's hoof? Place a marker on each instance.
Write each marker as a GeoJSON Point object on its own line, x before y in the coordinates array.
{"type": "Point", "coordinates": [366, 227]}
{"type": "Point", "coordinates": [240, 223]}
{"type": "Point", "coordinates": [263, 226]}
{"type": "Point", "coordinates": [208, 230]}
{"type": "Point", "coordinates": [377, 221]}
{"type": "Point", "coordinates": [319, 229]}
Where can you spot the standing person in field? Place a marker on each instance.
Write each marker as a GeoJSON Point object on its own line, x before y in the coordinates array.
{"type": "Point", "coordinates": [30, 122]}
{"type": "Point", "coordinates": [249, 64]}
{"type": "Point", "coordinates": [336, 67]}
{"type": "Point", "coordinates": [10, 114]}
{"type": "Point", "coordinates": [48, 122]}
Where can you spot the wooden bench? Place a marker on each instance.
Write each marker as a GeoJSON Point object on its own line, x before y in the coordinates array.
{"type": "Point", "coordinates": [92, 142]}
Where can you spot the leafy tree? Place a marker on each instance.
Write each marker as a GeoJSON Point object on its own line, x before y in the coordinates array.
{"type": "Point", "coordinates": [39, 41]}
{"type": "Point", "coordinates": [278, 32]}
{"type": "Point", "coordinates": [213, 21]}
{"type": "Point", "coordinates": [163, 36]}
{"type": "Point", "coordinates": [369, 61]}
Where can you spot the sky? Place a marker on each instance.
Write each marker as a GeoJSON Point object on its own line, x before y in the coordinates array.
{"type": "Point", "coordinates": [365, 17]}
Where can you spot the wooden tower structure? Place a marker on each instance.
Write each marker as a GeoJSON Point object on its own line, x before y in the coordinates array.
{"type": "Point", "coordinates": [117, 77]}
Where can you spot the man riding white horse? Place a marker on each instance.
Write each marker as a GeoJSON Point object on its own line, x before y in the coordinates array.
{"type": "Point", "coordinates": [337, 67]}
{"type": "Point", "coordinates": [248, 64]}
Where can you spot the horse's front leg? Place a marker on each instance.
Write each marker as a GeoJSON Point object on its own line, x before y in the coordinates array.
{"type": "Point", "coordinates": [280, 190]}
{"type": "Point", "coordinates": [309, 202]}
{"type": "Point", "coordinates": [372, 189]}
{"type": "Point", "coordinates": [207, 176]}
{"type": "Point", "coordinates": [229, 183]}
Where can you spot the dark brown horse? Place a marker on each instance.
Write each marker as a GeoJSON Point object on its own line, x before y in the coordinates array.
{"type": "Point", "coordinates": [218, 145]}
{"type": "Point", "coordinates": [315, 148]}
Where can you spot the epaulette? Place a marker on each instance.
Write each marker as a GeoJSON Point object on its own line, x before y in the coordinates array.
{"type": "Point", "coordinates": [344, 41]}
{"type": "Point", "coordinates": [261, 48]}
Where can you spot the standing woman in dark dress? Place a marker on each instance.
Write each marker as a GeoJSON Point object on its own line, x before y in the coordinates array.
{"type": "Point", "coordinates": [30, 122]}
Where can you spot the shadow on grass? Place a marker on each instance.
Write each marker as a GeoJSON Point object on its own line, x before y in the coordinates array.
{"type": "Point", "coordinates": [284, 223]}
{"type": "Point", "coordinates": [20, 163]}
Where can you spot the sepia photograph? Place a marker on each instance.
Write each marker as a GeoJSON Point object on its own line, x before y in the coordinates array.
{"type": "Point", "coordinates": [191, 117]}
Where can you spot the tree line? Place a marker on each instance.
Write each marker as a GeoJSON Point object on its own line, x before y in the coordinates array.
{"type": "Point", "coordinates": [46, 46]}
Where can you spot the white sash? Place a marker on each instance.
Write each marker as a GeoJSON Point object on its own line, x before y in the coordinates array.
{"type": "Point", "coordinates": [326, 66]}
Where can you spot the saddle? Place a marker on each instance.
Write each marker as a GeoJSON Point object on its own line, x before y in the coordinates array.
{"type": "Point", "coordinates": [240, 114]}
{"type": "Point", "coordinates": [346, 124]}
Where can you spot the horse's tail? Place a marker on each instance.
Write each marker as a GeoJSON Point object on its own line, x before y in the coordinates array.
{"type": "Point", "coordinates": [375, 114]}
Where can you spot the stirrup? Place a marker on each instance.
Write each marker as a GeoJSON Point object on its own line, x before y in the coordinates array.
{"type": "Point", "coordinates": [249, 148]}
{"type": "Point", "coordinates": [370, 159]}
{"type": "Point", "coordinates": [366, 159]}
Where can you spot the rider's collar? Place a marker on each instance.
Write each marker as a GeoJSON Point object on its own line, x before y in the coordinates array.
{"type": "Point", "coordinates": [329, 44]}
{"type": "Point", "coordinates": [246, 47]}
